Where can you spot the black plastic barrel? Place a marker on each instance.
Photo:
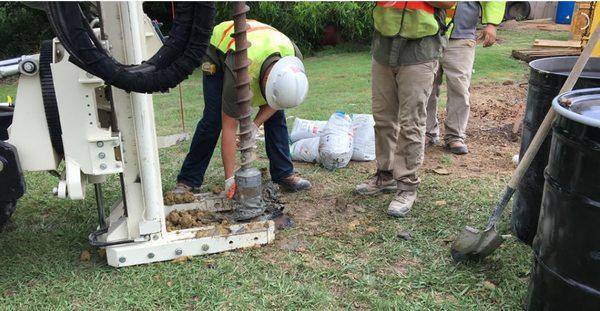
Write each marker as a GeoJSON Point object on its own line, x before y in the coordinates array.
{"type": "Point", "coordinates": [6, 117]}
{"type": "Point", "coordinates": [545, 81]}
{"type": "Point", "coordinates": [566, 270]}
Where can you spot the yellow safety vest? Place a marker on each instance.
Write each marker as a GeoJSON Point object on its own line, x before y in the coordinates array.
{"type": "Point", "coordinates": [265, 41]}
{"type": "Point", "coordinates": [492, 12]}
{"type": "Point", "coordinates": [409, 19]}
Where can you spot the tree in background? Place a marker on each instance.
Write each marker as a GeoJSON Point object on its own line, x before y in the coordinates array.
{"type": "Point", "coordinates": [310, 24]}
{"type": "Point", "coordinates": [21, 29]}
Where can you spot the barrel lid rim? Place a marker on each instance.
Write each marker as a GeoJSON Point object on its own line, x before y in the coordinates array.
{"type": "Point", "coordinates": [579, 95]}
{"type": "Point", "coordinates": [535, 65]}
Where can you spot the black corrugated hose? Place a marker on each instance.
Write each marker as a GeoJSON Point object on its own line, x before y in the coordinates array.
{"type": "Point", "coordinates": [181, 53]}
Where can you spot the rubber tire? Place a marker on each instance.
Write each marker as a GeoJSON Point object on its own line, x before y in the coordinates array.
{"type": "Point", "coordinates": [516, 10]}
{"type": "Point", "coordinates": [7, 208]}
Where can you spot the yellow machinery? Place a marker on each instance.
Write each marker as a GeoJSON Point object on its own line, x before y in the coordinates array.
{"type": "Point", "coordinates": [586, 18]}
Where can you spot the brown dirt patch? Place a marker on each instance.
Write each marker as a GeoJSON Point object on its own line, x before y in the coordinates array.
{"type": "Point", "coordinates": [328, 215]}
{"type": "Point", "coordinates": [494, 106]}
{"type": "Point", "coordinates": [490, 138]}
{"type": "Point", "coordinates": [492, 144]}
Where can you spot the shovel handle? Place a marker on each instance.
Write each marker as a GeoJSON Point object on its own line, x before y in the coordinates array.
{"type": "Point", "coordinates": [495, 216]}
{"type": "Point", "coordinates": [544, 128]}
{"type": "Point", "coordinates": [542, 132]}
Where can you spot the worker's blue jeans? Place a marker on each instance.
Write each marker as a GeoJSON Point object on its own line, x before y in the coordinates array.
{"type": "Point", "coordinates": [208, 131]}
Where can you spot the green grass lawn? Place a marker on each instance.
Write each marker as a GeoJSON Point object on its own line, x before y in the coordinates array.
{"type": "Point", "coordinates": [337, 267]}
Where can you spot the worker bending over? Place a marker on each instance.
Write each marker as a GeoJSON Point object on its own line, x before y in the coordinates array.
{"type": "Point", "coordinates": [457, 65]}
{"type": "Point", "coordinates": [277, 81]}
{"type": "Point", "coordinates": [408, 40]}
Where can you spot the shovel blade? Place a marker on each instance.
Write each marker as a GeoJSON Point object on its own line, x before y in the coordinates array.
{"type": "Point", "coordinates": [473, 244]}
{"type": "Point", "coordinates": [465, 244]}
{"type": "Point", "coordinates": [490, 241]}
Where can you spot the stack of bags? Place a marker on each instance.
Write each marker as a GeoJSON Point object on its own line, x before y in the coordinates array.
{"type": "Point", "coordinates": [335, 142]}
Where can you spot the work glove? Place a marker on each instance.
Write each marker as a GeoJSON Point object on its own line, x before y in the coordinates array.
{"type": "Point", "coordinates": [230, 187]}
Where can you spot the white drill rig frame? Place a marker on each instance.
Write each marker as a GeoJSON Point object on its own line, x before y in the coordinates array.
{"type": "Point", "coordinates": [93, 152]}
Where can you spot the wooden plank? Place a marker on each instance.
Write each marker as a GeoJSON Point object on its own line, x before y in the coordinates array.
{"type": "Point", "coordinates": [519, 54]}
{"type": "Point", "coordinates": [546, 51]}
{"type": "Point", "coordinates": [557, 43]}
{"type": "Point", "coordinates": [546, 48]}
{"type": "Point", "coordinates": [533, 54]}
{"type": "Point", "coordinates": [538, 21]}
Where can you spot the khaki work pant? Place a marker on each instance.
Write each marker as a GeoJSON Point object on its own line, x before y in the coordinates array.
{"type": "Point", "coordinates": [399, 98]}
{"type": "Point", "coordinates": [457, 65]}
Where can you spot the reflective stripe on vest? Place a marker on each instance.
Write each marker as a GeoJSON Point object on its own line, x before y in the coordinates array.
{"type": "Point", "coordinates": [450, 13]}
{"type": "Point", "coordinates": [264, 42]}
{"type": "Point", "coordinates": [450, 20]}
{"type": "Point", "coordinates": [226, 41]}
{"type": "Point", "coordinates": [409, 19]}
{"type": "Point", "coordinates": [410, 5]}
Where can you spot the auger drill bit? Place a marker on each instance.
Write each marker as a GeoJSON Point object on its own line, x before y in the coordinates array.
{"type": "Point", "coordinates": [248, 177]}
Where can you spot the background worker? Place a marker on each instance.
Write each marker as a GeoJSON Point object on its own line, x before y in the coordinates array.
{"type": "Point", "coordinates": [457, 65]}
{"type": "Point", "coordinates": [277, 81]}
{"type": "Point", "coordinates": [407, 41]}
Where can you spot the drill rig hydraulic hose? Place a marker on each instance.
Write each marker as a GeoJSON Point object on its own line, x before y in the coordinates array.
{"type": "Point", "coordinates": [174, 62]}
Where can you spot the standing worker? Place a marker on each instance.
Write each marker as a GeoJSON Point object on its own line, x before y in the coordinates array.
{"type": "Point", "coordinates": [457, 65]}
{"type": "Point", "coordinates": [278, 81]}
{"type": "Point", "coordinates": [407, 41]}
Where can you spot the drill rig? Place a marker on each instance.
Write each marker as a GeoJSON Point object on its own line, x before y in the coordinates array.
{"type": "Point", "coordinates": [84, 112]}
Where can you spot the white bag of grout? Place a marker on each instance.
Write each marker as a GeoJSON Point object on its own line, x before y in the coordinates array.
{"type": "Point", "coordinates": [306, 150]}
{"type": "Point", "coordinates": [335, 146]}
{"type": "Point", "coordinates": [306, 129]}
{"type": "Point", "coordinates": [364, 137]}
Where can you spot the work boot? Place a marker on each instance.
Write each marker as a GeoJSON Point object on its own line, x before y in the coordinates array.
{"type": "Point", "coordinates": [457, 147]}
{"type": "Point", "coordinates": [294, 183]}
{"type": "Point", "coordinates": [382, 181]}
{"type": "Point", "coordinates": [181, 187]}
{"type": "Point", "coordinates": [402, 203]}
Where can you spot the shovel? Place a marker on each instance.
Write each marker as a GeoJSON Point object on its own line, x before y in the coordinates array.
{"type": "Point", "coordinates": [473, 244]}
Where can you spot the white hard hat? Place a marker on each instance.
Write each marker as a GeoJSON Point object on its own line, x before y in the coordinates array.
{"type": "Point", "coordinates": [287, 84]}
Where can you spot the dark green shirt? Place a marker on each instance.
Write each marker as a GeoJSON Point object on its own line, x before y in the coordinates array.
{"type": "Point", "coordinates": [398, 51]}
